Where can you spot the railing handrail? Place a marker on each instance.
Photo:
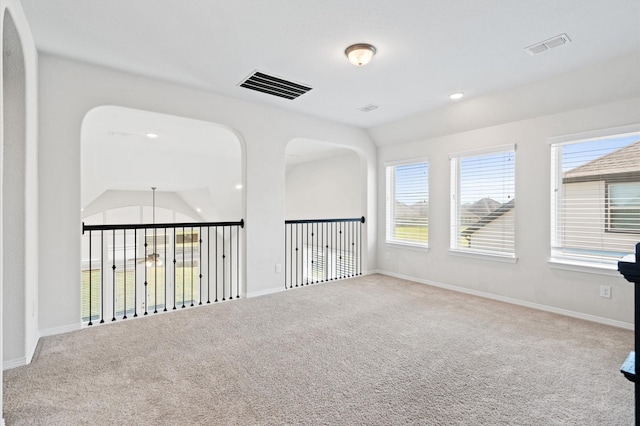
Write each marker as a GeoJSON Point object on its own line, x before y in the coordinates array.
{"type": "Point", "coordinates": [354, 219]}
{"type": "Point", "coordinates": [240, 223]}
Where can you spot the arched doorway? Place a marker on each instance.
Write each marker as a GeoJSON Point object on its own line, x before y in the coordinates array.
{"type": "Point", "coordinates": [196, 171]}
{"type": "Point", "coordinates": [325, 205]}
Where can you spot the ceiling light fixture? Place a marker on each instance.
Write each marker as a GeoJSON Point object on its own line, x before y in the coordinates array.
{"type": "Point", "coordinates": [360, 54]}
{"type": "Point", "coordinates": [151, 135]}
{"type": "Point", "coordinates": [457, 95]}
{"type": "Point", "coordinates": [154, 258]}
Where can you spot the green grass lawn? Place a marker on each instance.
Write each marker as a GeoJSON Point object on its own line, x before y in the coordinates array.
{"type": "Point", "coordinates": [155, 290]}
{"type": "Point", "coordinates": [412, 233]}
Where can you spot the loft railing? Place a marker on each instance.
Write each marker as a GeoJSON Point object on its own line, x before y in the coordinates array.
{"type": "Point", "coordinates": [132, 270]}
{"type": "Point", "coordinates": [322, 250]}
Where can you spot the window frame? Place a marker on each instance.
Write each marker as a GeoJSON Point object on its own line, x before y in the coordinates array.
{"type": "Point", "coordinates": [559, 260]}
{"type": "Point", "coordinates": [454, 216]}
{"type": "Point", "coordinates": [390, 206]}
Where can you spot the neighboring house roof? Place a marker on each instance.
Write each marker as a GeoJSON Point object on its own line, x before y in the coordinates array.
{"type": "Point", "coordinates": [624, 162]}
{"type": "Point", "coordinates": [419, 209]}
{"type": "Point", "coordinates": [480, 208]}
{"type": "Point", "coordinates": [504, 208]}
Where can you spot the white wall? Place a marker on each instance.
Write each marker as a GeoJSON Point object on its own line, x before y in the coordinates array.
{"type": "Point", "coordinates": [19, 103]}
{"type": "Point", "coordinates": [531, 280]}
{"type": "Point", "coordinates": [328, 188]}
{"type": "Point", "coordinates": [263, 131]}
{"type": "Point", "coordinates": [19, 128]}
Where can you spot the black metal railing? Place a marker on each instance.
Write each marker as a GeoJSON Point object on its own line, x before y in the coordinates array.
{"type": "Point", "coordinates": [322, 250]}
{"type": "Point", "coordinates": [133, 270]}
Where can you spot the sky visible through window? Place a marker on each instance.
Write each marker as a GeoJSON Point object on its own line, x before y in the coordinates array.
{"type": "Point", "coordinates": [408, 189]}
{"type": "Point", "coordinates": [487, 176]}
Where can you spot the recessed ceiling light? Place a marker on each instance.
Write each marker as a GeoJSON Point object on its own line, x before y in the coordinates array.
{"type": "Point", "coordinates": [239, 186]}
{"type": "Point", "coordinates": [457, 95]}
{"type": "Point", "coordinates": [151, 135]}
{"type": "Point", "coordinates": [198, 210]}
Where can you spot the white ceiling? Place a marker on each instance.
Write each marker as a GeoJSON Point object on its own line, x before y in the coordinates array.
{"type": "Point", "coordinates": [427, 49]}
{"type": "Point", "coordinates": [205, 170]}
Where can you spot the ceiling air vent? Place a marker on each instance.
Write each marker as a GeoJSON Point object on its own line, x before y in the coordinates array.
{"type": "Point", "coordinates": [275, 86]}
{"type": "Point", "coordinates": [556, 41]}
{"type": "Point", "coordinates": [368, 108]}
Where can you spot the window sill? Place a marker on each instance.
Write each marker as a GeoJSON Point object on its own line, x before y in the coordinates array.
{"type": "Point", "coordinates": [484, 256]}
{"type": "Point", "coordinates": [585, 267]}
{"type": "Point", "coordinates": [408, 246]}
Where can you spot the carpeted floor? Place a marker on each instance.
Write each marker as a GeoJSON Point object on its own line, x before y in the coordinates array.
{"type": "Point", "coordinates": [372, 350]}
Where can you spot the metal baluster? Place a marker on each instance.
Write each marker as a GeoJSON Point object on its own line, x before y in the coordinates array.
{"type": "Point", "coordinates": [200, 263]}
{"type": "Point", "coordinates": [305, 244]}
{"type": "Point", "coordinates": [361, 230]}
{"type": "Point", "coordinates": [352, 252]}
{"type": "Point", "coordinates": [165, 269]}
{"type": "Point", "coordinates": [296, 255]}
{"type": "Point", "coordinates": [124, 263]}
{"type": "Point", "coordinates": [135, 273]}
{"type": "Point", "coordinates": [325, 227]}
{"type": "Point", "coordinates": [113, 267]}
{"type": "Point", "coordinates": [90, 283]}
{"type": "Point", "coordinates": [223, 260]}
{"type": "Point", "coordinates": [291, 256]}
{"type": "Point", "coordinates": [101, 277]}
{"type": "Point", "coordinates": [238, 262]}
{"type": "Point", "coordinates": [314, 249]}
{"type": "Point", "coordinates": [230, 263]}
{"type": "Point", "coordinates": [191, 273]}
{"type": "Point", "coordinates": [175, 272]}
{"type": "Point", "coordinates": [156, 257]}
{"type": "Point", "coordinates": [216, 257]}
{"type": "Point", "coordinates": [285, 255]}
{"type": "Point", "coordinates": [208, 264]}
{"type": "Point", "coordinates": [146, 268]}
{"type": "Point", "coordinates": [183, 268]}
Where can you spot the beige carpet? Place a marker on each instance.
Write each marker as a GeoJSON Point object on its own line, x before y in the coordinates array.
{"type": "Point", "coordinates": [372, 350]}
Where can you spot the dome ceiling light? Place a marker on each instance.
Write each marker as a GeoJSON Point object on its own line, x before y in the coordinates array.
{"type": "Point", "coordinates": [360, 54]}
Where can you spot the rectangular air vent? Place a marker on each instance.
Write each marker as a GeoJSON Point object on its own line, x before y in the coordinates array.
{"type": "Point", "coordinates": [275, 86]}
{"type": "Point", "coordinates": [368, 108]}
{"type": "Point", "coordinates": [556, 41]}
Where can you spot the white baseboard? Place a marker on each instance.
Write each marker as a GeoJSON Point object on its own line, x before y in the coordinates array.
{"type": "Point", "coordinates": [264, 292]}
{"type": "Point", "coordinates": [60, 330]}
{"type": "Point", "coordinates": [553, 309]}
{"type": "Point", "coordinates": [13, 363]}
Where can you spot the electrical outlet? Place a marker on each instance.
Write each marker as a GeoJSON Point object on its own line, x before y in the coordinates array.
{"type": "Point", "coordinates": [605, 291]}
{"type": "Point", "coordinates": [278, 268]}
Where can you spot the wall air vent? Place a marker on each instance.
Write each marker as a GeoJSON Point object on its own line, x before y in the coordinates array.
{"type": "Point", "coordinates": [543, 46]}
{"type": "Point", "coordinates": [368, 108]}
{"type": "Point", "coordinates": [275, 86]}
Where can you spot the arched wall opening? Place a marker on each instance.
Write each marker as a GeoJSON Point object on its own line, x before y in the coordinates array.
{"type": "Point", "coordinates": [325, 195]}
{"type": "Point", "coordinates": [197, 170]}
{"type": "Point", "coordinates": [13, 195]}
{"type": "Point", "coordinates": [128, 151]}
{"type": "Point", "coordinates": [324, 181]}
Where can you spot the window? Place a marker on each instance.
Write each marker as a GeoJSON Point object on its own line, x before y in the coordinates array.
{"type": "Point", "coordinates": [408, 203]}
{"type": "Point", "coordinates": [483, 202]}
{"type": "Point", "coordinates": [624, 207]}
{"type": "Point", "coordinates": [595, 199]}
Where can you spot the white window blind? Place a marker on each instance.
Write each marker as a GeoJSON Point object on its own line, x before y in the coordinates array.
{"type": "Point", "coordinates": [407, 219]}
{"type": "Point", "coordinates": [483, 201]}
{"type": "Point", "coordinates": [595, 199]}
